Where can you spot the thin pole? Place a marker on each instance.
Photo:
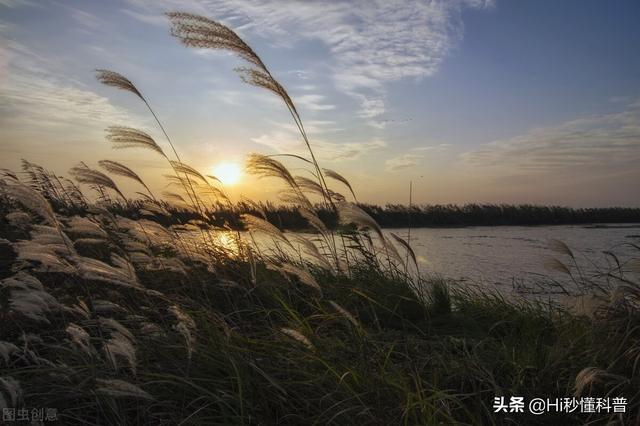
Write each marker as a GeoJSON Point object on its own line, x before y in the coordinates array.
{"type": "Point", "coordinates": [409, 231]}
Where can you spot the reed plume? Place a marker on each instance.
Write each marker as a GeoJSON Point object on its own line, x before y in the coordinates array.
{"type": "Point", "coordinates": [176, 198]}
{"type": "Point", "coordinates": [117, 388]}
{"type": "Point", "coordinates": [12, 388]}
{"type": "Point", "coordinates": [119, 346]}
{"type": "Point", "coordinates": [313, 220]}
{"type": "Point", "coordinates": [560, 247]}
{"type": "Point", "coordinates": [310, 185]}
{"type": "Point", "coordinates": [295, 197]}
{"type": "Point", "coordinates": [407, 247]}
{"type": "Point", "coordinates": [303, 275]}
{"type": "Point", "coordinates": [84, 226]}
{"type": "Point", "coordinates": [186, 326]}
{"type": "Point", "coordinates": [256, 206]}
{"type": "Point", "coordinates": [95, 178]}
{"type": "Point", "coordinates": [128, 137]}
{"type": "Point", "coordinates": [297, 336]}
{"type": "Point", "coordinates": [188, 170]}
{"type": "Point", "coordinates": [136, 137]}
{"type": "Point", "coordinates": [351, 213]}
{"type": "Point", "coordinates": [28, 297]}
{"type": "Point", "coordinates": [104, 307]}
{"type": "Point", "coordinates": [6, 173]}
{"type": "Point", "coordinates": [336, 176]}
{"type": "Point", "coordinates": [257, 224]}
{"type": "Point", "coordinates": [47, 183]}
{"type": "Point", "coordinates": [80, 338]}
{"type": "Point", "coordinates": [6, 350]}
{"type": "Point", "coordinates": [265, 166]}
{"type": "Point", "coordinates": [553, 264]}
{"type": "Point", "coordinates": [124, 171]}
{"type": "Point", "coordinates": [114, 79]}
{"type": "Point", "coordinates": [47, 257]}
{"type": "Point", "coordinates": [590, 375]}
{"type": "Point", "coordinates": [311, 250]}
{"type": "Point", "coordinates": [96, 270]}
{"type": "Point", "coordinates": [346, 314]}
{"type": "Point", "coordinates": [198, 31]}
{"type": "Point", "coordinates": [31, 200]}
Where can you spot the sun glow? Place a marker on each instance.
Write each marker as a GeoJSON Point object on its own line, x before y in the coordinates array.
{"type": "Point", "coordinates": [228, 173]}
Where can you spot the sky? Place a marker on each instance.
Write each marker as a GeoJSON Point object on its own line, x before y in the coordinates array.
{"type": "Point", "coordinates": [503, 101]}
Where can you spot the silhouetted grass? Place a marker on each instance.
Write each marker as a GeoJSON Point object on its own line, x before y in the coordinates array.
{"type": "Point", "coordinates": [150, 311]}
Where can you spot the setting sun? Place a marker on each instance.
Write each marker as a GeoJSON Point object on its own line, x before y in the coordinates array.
{"type": "Point", "coordinates": [228, 173]}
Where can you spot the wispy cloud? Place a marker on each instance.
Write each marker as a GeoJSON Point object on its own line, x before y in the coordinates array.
{"type": "Point", "coordinates": [151, 19]}
{"type": "Point", "coordinates": [433, 148]}
{"type": "Point", "coordinates": [330, 151]}
{"type": "Point", "coordinates": [36, 102]}
{"type": "Point", "coordinates": [84, 18]}
{"type": "Point", "coordinates": [402, 162]}
{"type": "Point", "coordinates": [371, 42]}
{"type": "Point", "coordinates": [414, 157]}
{"type": "Point", "coordinates": [313, 102]}
{"type": "Point", "coordinates": [286, 140]}
{"type": "Point", "coordinates": [606, 141]}
{"type": "Point", "coordinates": [16, 3]}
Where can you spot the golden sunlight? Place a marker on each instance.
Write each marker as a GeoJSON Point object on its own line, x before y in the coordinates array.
{"type": "Point", "coordinates": [227, 173]}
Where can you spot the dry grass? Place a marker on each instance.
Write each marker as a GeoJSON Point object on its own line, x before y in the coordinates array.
{"type": "Point", "coordinates": [114, 320]}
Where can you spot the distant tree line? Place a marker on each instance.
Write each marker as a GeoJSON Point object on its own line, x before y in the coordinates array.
{"type": "Point", "coordinates": [396, 215]}
{"type": "Point", "coordinates": [401, 216]}
{"type": "Point", "coordinates": [65, 196]}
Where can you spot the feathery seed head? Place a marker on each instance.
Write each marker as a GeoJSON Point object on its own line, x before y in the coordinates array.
{"type": "Point", "coordinates": [265, 166]}
{"type": "Point", "coordinates": [336, 176]}
{"type": "Point", "coordinates": [114, 79]}
{"type": "Point", "coordinates": [297, 336]}
{"type": "Point", "coordinates": [120, 389]}
{"type": "Point", "coordinates": [120, 170]}
{"type": "Point", "coordinates": [88, 176]}
{"type": "Point", "coordinates": [128, 137]}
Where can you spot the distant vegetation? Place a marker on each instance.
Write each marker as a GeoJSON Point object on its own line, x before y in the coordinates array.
{"type": "Point", "coordinates": [149, 311]}
{"type": "Point", "coordinates": [393, 215]}
{"type": "Point", "coordinates": [401, 216]}
{"type": "Point", "coordinates": [66, 198]}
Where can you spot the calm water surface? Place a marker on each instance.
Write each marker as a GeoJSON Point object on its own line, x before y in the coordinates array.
{"type": "Point", "coordinates": [515, 257]}
{"type": "Point", "coordinates": [505, 255]}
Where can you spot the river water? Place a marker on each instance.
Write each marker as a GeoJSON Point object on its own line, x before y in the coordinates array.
{"type": "Point", "coordinates": [509, 258]}
{"type": "Point", "coordinates": [514, 256]}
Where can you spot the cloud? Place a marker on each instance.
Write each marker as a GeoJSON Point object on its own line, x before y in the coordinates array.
{"type": "Point", "coordinates": [413, 158]}
{"type": "Point", "coordinates": [84, 18]}
{"type": "Point", "coordinates": [599, 142]}
{"type": "Point", "coordinates": [313, 102]}
{"type": "Point", "coordinates": [154, 19]}
{"type": "Point", "coordinates": [242, 98]}
{"type": "Point", "coordinates": [286, 140]}
{"type": "Point", "coordinates": [371, 42]}
{"type": "Point", "coordinates": [405, 161]}
{"type": "Point", "coordinates": [330, 151]}
{"type": "Point", "coordinates": [16, 3]}
{"type": "Point", "coordinates": [433, 148]}
{"type": "Point", "coordinates": [36, 102]}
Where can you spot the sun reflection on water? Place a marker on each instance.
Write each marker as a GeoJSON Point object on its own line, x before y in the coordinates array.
{"type": "Point", "coordinates": [227, 241]}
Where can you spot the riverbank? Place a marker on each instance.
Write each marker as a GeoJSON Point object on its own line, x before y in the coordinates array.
{"type": "Point", "coordinates": [287, 217]}
{"type": "Point", "coordinates": [106, 337]}
{"type": "Point", "coordinates": [122, 311]}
